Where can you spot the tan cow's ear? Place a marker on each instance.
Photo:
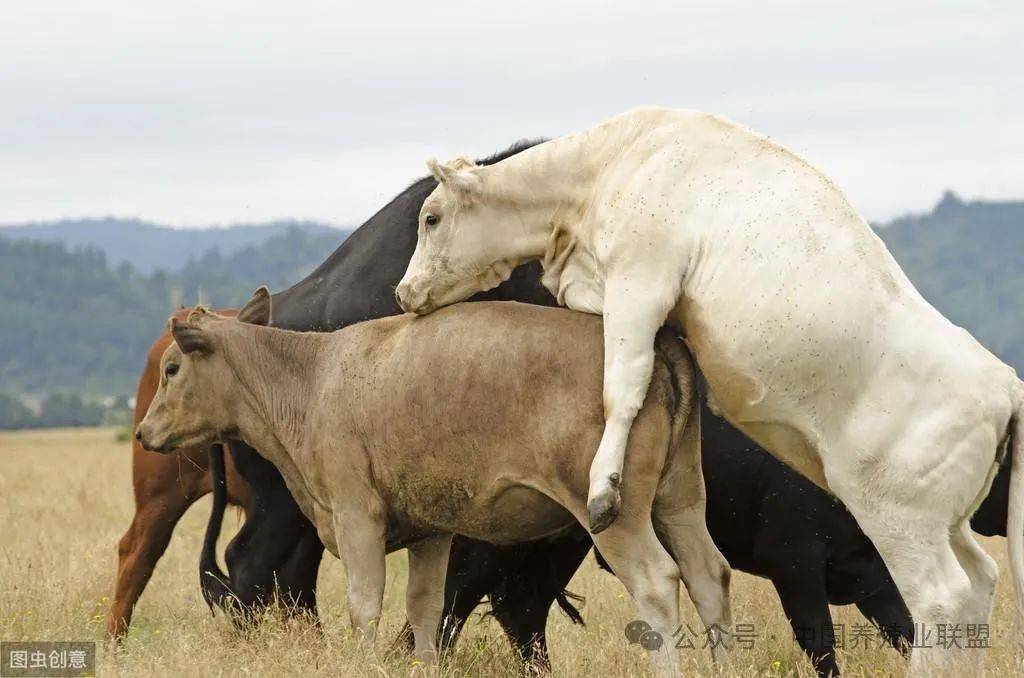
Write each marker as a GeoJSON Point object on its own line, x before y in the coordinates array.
{"type": "Point", "coordinates": [458, 176]}
{"type": "Point", "coordinates": [190, 338]}
{"type": "Point", "coordinates": [257, 311]}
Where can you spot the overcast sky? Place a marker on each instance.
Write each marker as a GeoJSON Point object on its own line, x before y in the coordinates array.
{"type": "Point", "coordinates": [195, 113]}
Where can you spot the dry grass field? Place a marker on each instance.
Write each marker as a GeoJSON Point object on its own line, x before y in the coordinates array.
{"type": "Point", "coordinates": [65, 499]}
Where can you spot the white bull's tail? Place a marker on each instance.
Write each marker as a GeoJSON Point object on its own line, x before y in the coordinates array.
{"type": "Point", "coordinates": [1015, 511]}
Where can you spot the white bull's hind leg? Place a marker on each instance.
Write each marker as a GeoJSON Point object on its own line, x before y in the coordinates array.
{"type": "Point", "coordinates": [983, 571]}
{"type": "Point", "coordinates": [634, 310]}
{"type": "Point", "coordinates": [424, 597]}
{"type": "Point", "coordinates": [945, 580]}
{"type": "Point", "coordinates": [935, 587]}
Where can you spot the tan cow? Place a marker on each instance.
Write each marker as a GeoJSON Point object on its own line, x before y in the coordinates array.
{"type": "Point", "coordinates": [481, 419]}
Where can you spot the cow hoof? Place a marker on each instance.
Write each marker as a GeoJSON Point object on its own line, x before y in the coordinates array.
{"type": "Point", "coordinates": [604, 509]}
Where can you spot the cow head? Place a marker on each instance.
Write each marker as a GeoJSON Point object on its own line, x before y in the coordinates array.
{"type": "Point", "coordinates": [467, 240]}
{"type": "Point", "coordinates": [192, 405]}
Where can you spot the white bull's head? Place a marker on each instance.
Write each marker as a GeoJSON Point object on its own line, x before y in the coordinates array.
{"type": "Point", "coordinates": [468, 240]}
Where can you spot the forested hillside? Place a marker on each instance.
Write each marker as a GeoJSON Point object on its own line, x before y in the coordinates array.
{"type": "Point", "coordinates": [72, 321]}
{"type": "Point", "coordinates": [966, 259]}
{"type": "Point", "coordinates": [75, 323]}
{"type": "Point", "coordinates": [149, 247]}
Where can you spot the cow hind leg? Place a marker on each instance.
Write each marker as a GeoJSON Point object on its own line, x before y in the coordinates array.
{"type": "Point", "coordinates": [982, 571]}
{"type": "Point", "coordinates": [915, 508]}
{"type": "Point", "coordinates": [938, 591]}
{"type": "Point", "coordinates": [632, 549]}
{"type": "Point", "coordinates": [704, 571]}
{"type": "Point", "coordinates": [142, 546]}
{"type": "Point", "coordinates": [680, 522]}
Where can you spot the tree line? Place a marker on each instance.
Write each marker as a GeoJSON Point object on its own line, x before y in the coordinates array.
{"type": "Point", "coordinates": [74, 327]}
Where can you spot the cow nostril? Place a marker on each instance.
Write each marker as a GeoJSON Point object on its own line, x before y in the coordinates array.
{"type": "Point", "coordinates": [400, 293]}
{"type": "Point", "coordinates": [138, 436]}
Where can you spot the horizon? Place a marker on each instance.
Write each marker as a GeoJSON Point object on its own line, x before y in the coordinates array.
{"type": "Point", "coordinates": [298, 221]}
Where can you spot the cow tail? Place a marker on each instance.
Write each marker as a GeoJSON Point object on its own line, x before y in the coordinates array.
{"type": "Point", "coordinates": [1015, 511]}
{"type": "Point", "coordinates": [672, 348]}
{"type": "Point", "coordinates": [565, 600]}
{"type": "Point", "coordinates": [214, 583]}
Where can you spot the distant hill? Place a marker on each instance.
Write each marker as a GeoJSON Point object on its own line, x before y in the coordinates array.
{"type": "Point", "coordinates": [71, 321]}
{"type": "Point", "coordinates": [148, 246]}
{"type": "Point", "coordinates": [77, 320]}
{"type": "Point", "coordinates": [966, 259]}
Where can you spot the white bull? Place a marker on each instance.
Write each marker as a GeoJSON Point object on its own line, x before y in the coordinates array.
{"type": "Point", "coordinates": [811, 337]}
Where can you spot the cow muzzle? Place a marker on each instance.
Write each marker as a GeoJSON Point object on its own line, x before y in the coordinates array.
{"type": "Point", "coordinates": [412, 300]}
{"type": "Point", "coordinates": [145, 439]}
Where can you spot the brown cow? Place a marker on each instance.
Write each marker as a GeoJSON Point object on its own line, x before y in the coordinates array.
{"type": "Point", "coordinates": [165, 486]}
{"type": "Point", "coordinates": [480, 419]}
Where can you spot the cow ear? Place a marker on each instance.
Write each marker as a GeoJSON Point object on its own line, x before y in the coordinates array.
{"type": "Point", "coordinates": [190, 338]}
{"type": "Point", "coordinates": [257, 311]}
{"type": "Point", "coordinates": [458, 176]}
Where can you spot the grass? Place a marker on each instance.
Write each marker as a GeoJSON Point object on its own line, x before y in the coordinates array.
{"type": "Point", "coordinates": [65, 499]}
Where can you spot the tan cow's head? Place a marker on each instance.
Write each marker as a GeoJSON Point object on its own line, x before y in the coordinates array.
{"type": "Point", "coordinates": [465, 243]}
{"type": "Point", "coordinates": [193, 405]}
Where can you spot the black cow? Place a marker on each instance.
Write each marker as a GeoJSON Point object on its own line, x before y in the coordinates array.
{"type": "Point", "coordinates": [766, 519]}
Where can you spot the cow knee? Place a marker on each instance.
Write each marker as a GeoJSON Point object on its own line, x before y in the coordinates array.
{"type": "Point", "coordinates": [653, 582]}
{"type": "Point", "coordinates": [127, 543]}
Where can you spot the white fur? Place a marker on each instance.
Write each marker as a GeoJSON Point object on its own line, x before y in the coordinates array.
{"type": "Point", "coordinates": [812, 339]}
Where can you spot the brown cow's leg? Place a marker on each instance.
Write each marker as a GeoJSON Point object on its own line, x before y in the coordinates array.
{"type": "Point", "coordinates": [165, 486]}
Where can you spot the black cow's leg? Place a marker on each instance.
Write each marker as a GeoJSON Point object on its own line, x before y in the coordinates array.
{"type": "Point", "coordinates": [886, 610]}
{"type": "Point", "coordinates": [805, 602]}
{"type": "Point", "coordinates": [260, 552]}
{"type": "Point", "coordinates": [528, 593]}
{"type": "Point", "coordinates": [296, 580]}
{"type": "Point", "coordinates": [275, 532]}
{"type": "Point", "coordinates": [475, 570]}
{"type": "Point", "coordinates": [522, 582]}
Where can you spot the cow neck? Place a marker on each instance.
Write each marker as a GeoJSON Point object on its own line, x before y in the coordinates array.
{"type": "Point", "coordinates": [277, 372]}
{"type": "Point", "coordinates": [547, 187]}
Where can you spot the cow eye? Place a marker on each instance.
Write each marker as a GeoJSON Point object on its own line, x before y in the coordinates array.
{"type": "Point", "coordinates": [170, 369]}
{"type": "Point", "coordinates": [431, 220]}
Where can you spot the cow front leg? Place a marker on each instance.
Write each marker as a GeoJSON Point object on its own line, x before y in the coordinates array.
{"type": "Point", "coordinates": [360, 534]}
{"type": "Point", "coordinates": [634, 310]}
{"type": "Point", "coordinates": [424, 596]}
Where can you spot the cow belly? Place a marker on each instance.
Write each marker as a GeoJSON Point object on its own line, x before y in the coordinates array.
{"type": "Point", "coordinates": [508, 514]}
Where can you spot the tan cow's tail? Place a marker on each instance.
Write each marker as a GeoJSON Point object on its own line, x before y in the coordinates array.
{"type": "Point", "coordinates": [1015, 511]}
{"type": "Point", "coordinates": [672, 348]}
{"type": "Point", "coordinates": [682, 478]}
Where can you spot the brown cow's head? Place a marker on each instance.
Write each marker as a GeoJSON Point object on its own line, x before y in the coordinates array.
{"type": "Point", "coordinates": [192, 406]}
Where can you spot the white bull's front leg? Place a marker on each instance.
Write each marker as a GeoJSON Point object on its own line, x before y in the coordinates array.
{"type": "Point", "coordinates": [635, 307]}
